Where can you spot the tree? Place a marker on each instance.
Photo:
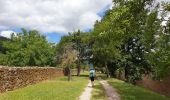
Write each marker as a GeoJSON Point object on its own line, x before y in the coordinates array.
{"type": "Point", "coordinates": [121, 37]}
{"type": "Point", "coordinates": [129, 37]}
{"type": "Point", "coordinates": [158, 53]}
{"type": "Point", "coordinates": [66, 55]}
{"type": "Point", "coordinates": [29, 48]}
{"type": "Point", "coordinates": [76, 39]}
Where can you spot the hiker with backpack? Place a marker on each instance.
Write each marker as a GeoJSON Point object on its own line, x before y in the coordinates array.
{"type": "Point", "coordinates": [92, 76]}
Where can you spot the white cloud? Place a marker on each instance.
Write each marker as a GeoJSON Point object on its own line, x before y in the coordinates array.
{"type": "Point", "coordinates": [50, 15]}
{"type": "Point", "coordinates": [164, 0]}
{"type": "Point", "coordinates": [7, 33]}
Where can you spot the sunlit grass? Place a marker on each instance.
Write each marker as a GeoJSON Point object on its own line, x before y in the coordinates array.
{"type": "Point", "coordinates": [131, 92]}
{"type": "Point", "coordinates": [58, 89]}
{"type": "Point", "coordinates": [98, 92]}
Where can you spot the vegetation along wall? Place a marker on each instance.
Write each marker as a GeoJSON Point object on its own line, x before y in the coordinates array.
{"type": "Point", "coordinates": [13, 78]}
{"type": "Point", "coordinates": [162, 86]}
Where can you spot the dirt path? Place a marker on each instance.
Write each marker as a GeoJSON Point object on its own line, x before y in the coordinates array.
{"type": "Point", "coordinates": [87, 92]}
{"type": "Point", "coordinates": [110, 92]}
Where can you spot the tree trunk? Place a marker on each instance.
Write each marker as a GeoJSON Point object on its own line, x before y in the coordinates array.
{"type": "Point", "coordinates": [107, 70]}
{"type": "Point", "coordinates": [78, 70]}
{"type": "Point", "coordinates": [126, 73]}
{"type": "Point", "coordinates": [69, 74]}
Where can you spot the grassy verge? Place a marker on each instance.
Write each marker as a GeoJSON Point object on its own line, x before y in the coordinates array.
{"type": "Point", "coordinates": [98, 92]}
{"type": "Point", "coordinates": [58, 89]}
{"type": "Point", "coordinates": [131, 92]}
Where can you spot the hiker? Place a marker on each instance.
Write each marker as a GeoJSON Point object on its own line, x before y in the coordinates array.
{"type": "Point", "coordinates": [92, 76]}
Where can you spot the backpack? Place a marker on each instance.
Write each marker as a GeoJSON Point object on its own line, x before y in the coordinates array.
{"type": "Point", "coordinates": [92, 73]}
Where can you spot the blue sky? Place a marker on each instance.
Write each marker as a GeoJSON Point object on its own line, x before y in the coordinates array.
{"type": "Point", "coordinates": [53, 37]}
{"type": "Point", "coordinates": [52, 18]}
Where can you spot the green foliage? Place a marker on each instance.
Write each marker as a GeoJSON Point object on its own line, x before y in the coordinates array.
{"type": "Point", "coordinates": [127, 36]}
{"type": "Point", "coordinates": [118, 38]}
{"type": "Point", "coordinates": [63, 49]}
{"type": "Point", "coordinates": [160, 55]}
{"type": "Point", "coordinates": [166, 6]}
{"type": "Point", "coordinates": [28, 48]}
{"type": "Point", "coordinates": [76, 42]}
{"type": "Point", "coordinates": [131, 37]}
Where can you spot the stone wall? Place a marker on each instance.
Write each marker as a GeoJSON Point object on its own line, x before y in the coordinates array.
{"type": "Point", "coordinates": [13, 77]}
{"type": "Point", "coordinates": [162, 87]}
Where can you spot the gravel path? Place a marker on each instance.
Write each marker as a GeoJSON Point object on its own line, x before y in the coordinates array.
{"type": "Point", "coordinates": [87, 92]}
{"type": "Point", "coordinates": [110, 92]}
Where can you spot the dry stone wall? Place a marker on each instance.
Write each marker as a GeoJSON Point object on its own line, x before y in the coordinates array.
{"type": "Point", "coordinates": [13, 77]}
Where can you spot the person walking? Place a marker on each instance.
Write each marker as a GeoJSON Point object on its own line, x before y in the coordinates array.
{"type": "Point", "coordinates": [92, 76]}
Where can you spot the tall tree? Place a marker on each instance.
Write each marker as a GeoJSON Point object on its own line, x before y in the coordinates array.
{"type": "Point", "coordinates": [119, 36]}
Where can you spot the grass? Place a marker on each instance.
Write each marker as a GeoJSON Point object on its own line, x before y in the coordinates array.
{"type": "Point", "coordinates": [58, 89]}
{"type": "Point", "coordinates": [61, 89]}
{"type": "Point", "coordinates": [131, 92]}
{"type": "Point", "coordinates": [98, 92]}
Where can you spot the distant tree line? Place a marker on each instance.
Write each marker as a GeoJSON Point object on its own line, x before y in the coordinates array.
{"type": "Point", "coordinates": [2, 50]}
{"type": "Point", "coordinates": [28, 48]}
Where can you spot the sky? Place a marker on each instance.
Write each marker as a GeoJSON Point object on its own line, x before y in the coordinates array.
{"type": "Point", "coordinates": [52, 18]}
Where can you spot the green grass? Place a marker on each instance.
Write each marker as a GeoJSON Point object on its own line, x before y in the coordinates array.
{"type": "Point", "coordinates": [131, 92]}
{"type": "Point", "coordinates": [98, 92]}
{"type": "Point", "coordinates": [58, 89]}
